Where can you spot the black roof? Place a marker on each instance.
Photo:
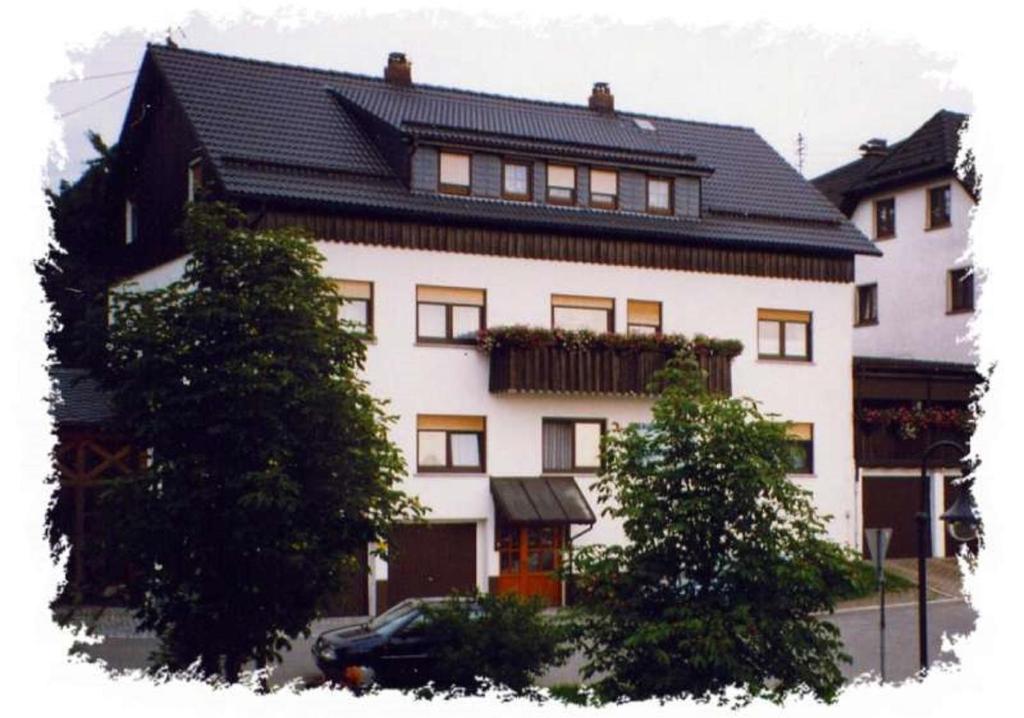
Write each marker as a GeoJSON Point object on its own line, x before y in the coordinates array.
{"type": "Point", "coordinates": [930, 151]}
{"type": "Point", "coordinates": [541, 499]}
{"type": "Point", "coordinates": [78, 398]}
{"type": "Point", "coordinates": [299, 135]}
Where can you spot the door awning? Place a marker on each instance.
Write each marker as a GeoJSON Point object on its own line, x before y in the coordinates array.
{"type": "Point", "coordinates": [541, 499]}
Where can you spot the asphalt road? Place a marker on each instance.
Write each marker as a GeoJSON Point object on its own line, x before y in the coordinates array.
{"type": "Point", "coordinates": [859, 629]}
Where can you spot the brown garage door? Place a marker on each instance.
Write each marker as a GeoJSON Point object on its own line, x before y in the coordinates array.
{"type": "Point", "coordinates": [431, 560]}
{"type": "Point", "coordinates": [893, 502]}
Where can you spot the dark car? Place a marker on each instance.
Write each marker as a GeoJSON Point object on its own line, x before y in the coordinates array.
{"type": "Point", "coordinates": [392, 650]}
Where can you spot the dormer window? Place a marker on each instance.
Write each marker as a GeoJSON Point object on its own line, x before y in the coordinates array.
{"type": "Point", "coordinates": [195, 178]}
{"type": "Point", "coordinates": [453, 173]}
{"type": "Point", "coordinates": [515, 180]}
{"type": "Point", "coordinates": [604, 189]}
{"type": "Point", "coordinates": [561, 184]}
{"type": "Point", "coordinates": [659, 195]}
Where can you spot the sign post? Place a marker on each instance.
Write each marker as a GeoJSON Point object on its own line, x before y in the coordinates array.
{"type": "Point", "coordinates": [878, 546]}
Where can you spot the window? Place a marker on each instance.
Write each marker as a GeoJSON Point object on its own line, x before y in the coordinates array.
{"type": "Point", "coordinates": [643, 317]}
{"type": "Point", "coordinates": [516, 180]}
{"type": "Point", "coordinates": [357, 309]}
{"type": "Point", "coordinates": [453, 173]}
{"type": "Point", "coordinates": [604, 189]}
{"type": "Point", "coordinates": [961, 290]}
{"type": "Point", "coordinates": [659, 195]}
{"type": "Point", "coordinates": [562, 184]}
{"type": "Point", "coordinates": [131, 222]}
{"type": "Point", "coordinates": [801, 443]}
{"type": "Point", "coordinates": [450, 443]}
{"type": "Point", "coordinates": [572, 444]}
{"type": "Point", "coordinates": [595, 314]}
{"type": "Point", "coordinates": [938, 207]}
{"type": "Point", "coordinates": [449, 315]}
{"type": "Point", "coordinates": [885, 218]}
{"type": "Point", "coordinates": [867, 304]}
{"type": "Point", "coordinates": [195, 178]}
{"type": "Point", "coordinates": [783, 334]}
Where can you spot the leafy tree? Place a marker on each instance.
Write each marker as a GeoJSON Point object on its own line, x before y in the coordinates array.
{"type": "Point", "coordinates": [270, 462]}
{"type": "Point", "coordinates": [83, 257]}
{"type": "Point", "coordinates": [725, 563]}
{"type": "Point", "coordinates": [502, 638]}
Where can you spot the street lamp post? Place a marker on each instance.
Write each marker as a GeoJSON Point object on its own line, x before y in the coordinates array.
{"type": "Point", "coordinates": [924, 525]}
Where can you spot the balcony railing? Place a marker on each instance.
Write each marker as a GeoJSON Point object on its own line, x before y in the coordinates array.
{"type": "Point", "coordinates": [596, 370]}
{"type": "Point", "coordinates": [884, 446]}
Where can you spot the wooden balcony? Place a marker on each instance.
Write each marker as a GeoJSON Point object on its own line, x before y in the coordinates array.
{"type": "Point", "coordinates": [556, 369]}
{"type": "Point", "coordinates": [882, 446]}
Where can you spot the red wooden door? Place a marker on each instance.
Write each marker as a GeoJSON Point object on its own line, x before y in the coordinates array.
{"type": "Point", "coordinates": [530, 557]}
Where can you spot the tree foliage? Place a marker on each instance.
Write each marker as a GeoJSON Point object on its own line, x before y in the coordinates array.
{"type": "Point", "coordinates": [502, 638]}
{"type": "Point", "coordinates": [270, 461]}
{"type": "Point", "coordinates": [725, 563]}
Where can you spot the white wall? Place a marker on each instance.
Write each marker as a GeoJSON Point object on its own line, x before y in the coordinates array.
{"type": "Point", "coordinates": [454, 380]}
{"type": "Point", "coordinates": [911, 277]}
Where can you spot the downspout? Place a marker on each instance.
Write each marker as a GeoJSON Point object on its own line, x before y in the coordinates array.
{"type": "Point", "coordinates": [571, 539]}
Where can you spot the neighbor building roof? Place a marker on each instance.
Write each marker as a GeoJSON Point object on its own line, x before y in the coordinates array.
{"type": "Point", "coordinates": [283, 133]}
{"type": "Point", "coordinates": [78, 398]}
{"type": "Point", "coordinates": [929, 152]}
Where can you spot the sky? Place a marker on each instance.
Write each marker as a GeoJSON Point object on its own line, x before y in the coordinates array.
{"type": "Point", "coordinates": [836, 92]}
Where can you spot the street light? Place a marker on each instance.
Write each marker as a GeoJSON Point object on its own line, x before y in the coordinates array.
{"type": "Point", "coordinates": [962, 519]}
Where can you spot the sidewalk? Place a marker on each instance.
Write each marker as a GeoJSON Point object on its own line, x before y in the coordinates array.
{"type": "Point", "coordinates": [944, 582]}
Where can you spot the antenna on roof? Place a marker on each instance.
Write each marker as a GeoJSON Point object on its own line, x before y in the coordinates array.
{"type": "Point", "coordinates": [801, 152]}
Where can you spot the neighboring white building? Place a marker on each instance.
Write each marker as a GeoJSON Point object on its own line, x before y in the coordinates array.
{"type": "Point", "coordinates": [442, 212]}
{"type": "Point", "coordinates": [912, 307]}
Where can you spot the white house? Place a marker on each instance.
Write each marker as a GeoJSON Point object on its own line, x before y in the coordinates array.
{"type": "Point", "coordinates": [442, 212]}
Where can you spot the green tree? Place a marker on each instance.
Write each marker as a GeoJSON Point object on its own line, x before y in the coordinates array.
{"type": "Point", "coordinates": [270, 461]}
{"type": "Point", "coordinates": [725, 563]}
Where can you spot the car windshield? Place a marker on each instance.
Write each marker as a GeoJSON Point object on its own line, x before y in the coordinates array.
{"type": "Point", "coordinates": [393, 617]}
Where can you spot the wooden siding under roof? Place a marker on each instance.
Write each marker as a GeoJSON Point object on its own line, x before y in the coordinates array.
{"type": "Point", "coordinates": [565, 247]}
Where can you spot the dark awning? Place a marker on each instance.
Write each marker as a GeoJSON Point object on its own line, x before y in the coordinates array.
{"type": "Point", "coordinates": [544, 499]}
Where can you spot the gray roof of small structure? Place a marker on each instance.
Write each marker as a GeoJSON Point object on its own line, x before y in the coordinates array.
{"type": "Point", "coordinates": [283, 133]}
{"type": "Point", "coordinates": [78, 398]}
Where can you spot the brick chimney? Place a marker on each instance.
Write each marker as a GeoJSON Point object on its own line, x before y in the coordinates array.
{"type": "Point", "coordinates": [399, 69]}
{"type": "Point", "coordinates": [875, 147]}
{"type": "Point", "coordinates": [601, 98]}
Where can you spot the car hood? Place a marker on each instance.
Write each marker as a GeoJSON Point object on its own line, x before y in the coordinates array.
{"type": "Point", "coordinates": [350, 636]}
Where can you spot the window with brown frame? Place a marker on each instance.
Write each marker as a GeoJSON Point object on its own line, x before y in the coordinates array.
{"type": "Point", "coordinates": [885, 218]}
{"type": "Point", "coordinates": [867, 305]}
{"type": "Point", "coordinates": [453, 172]}
{"type": "Point", "coordinates": [572, 445]}
{"type": "Point", "coordinates": [572, 312]}
{"type": "Point", "coordinates": [357, 307]}
{"type": "Point", "coordinates": [449, 315]}
{"type": "Point", "coordinates": [801, 443]}
{"type": "Point", "coordinates": [783, 334]}
{"type": "Point", "coordinates": [516, 180]}
{"type": "Point", "coordinates": [659, 195]}
{"type": "Point", "coordinates": [643, 317]}
{"type": "Point", "coordinates": [450, 444]}
{"type": "Point", "coordinates": [561, 181]}
{"type": "Point", "coordinates": [604, 188]}
{"type": "Point", "coordinates": [939, 207]}
{"type": "Point", "coordinates": [961, 290]}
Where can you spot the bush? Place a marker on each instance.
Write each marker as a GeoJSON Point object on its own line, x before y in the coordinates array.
{"type": "Point", "coordinates": [865, 583]}
{"type": "Point", "coordinates": [501, 639]}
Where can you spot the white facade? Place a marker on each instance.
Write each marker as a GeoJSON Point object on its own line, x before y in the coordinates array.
{"type": "Point", "coordinates": [914, 321]}
{"type": "Point", "coordinates": [453, 380]}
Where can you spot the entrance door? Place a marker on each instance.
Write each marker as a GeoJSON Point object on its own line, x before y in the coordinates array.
{"type": "Point", "coordinates": [530, 556]}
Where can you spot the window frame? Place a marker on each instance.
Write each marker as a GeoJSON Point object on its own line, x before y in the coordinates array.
{"type": "Point", "coordinates": [613, 204]}
{"type": "Point", "coordinates": [370, 305]}
{"type": "Point", "coordinates": [193, 187]}
{"type": "Point", "coordinates": [859, 320]}
{"type": "Point", "coordinates": [671, 195]}
{"type": "Point", "coordinates": [571, 421]}
{"type": "Point", "coordinates": [547, 184]}
{"type": "Point", "coordinates": [891, 233]}
{"type": "Point", "coordinates": [455, 189]}
{"type": "Point", "coordinates": [808, 444]}
{"type": "Point", "coordinates": [951, 294]}
{"type": "Point", "coordinates": [782, 356]}
{"type": "Point", "coordinates": [929, 207]}
{"type": "Point", "coordinates": [447, 467]}
{"type": "Point", "coordinates": [661, 316]}
{"type": "Point", "coordinates": [449, 338]}
{"type": "Point", "coordinates": [131, 222]}
{"type": "Point", "coordinates": [610, 311]}
{"type": "Point", "coordinates": [516, 197]}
